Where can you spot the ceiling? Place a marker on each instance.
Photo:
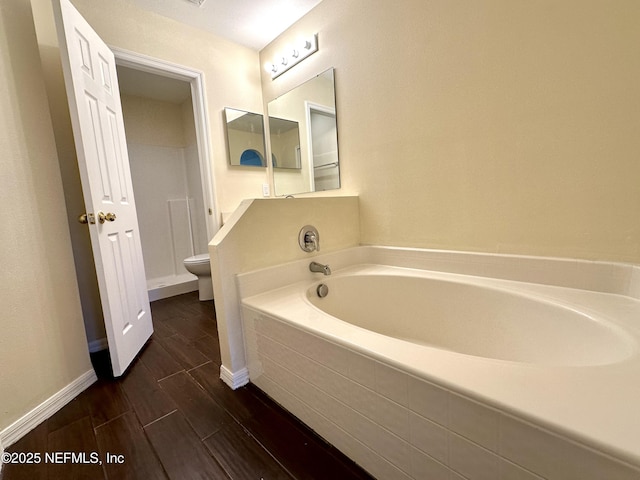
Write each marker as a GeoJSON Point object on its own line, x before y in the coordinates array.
{"type": "Point", "coordinates": [253, 23]}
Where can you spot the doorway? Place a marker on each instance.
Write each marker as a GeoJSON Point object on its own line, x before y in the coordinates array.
{"type": "Point", "coordinates": [167, 139]}
{"type": "Point", "coordinates": [323, 147]}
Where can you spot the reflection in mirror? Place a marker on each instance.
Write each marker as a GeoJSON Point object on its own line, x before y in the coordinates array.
{"type": "Point", "coordinates": [285, 143]}
{"type": "Point", "coordinates": [245, 138]}
{"type": "Point", "coordinates": [312, 106]}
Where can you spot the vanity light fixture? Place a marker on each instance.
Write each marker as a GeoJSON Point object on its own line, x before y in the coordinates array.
{"type": "Point", "coordinates": [292, 56]}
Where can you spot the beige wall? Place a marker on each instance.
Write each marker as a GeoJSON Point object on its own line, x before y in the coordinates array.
{"type": "Point", "coordinates": [152, 122]}
{"type": "Point", "coordinates": [265, 232]}
{"type": "Point", "coordinates": [489, 125]}
{"type": "Point", "coordinates": [42, 341]}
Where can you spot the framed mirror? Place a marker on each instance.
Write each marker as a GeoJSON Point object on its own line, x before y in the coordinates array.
{"type": "Point", "coordinates": [245, 138]}
{"type": "Point", "coordinates": [312, 107]}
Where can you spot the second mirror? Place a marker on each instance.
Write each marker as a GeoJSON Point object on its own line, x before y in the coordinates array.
{"type": "Point", "coordinates": [245, 138]}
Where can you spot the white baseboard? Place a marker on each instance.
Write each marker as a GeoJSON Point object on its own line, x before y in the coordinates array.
{"type": "Point", "coordinates": [46, 409]}
{"type": "Point", "coordinates": [98, 345]}
{"type": "Point", "coordinates": [234, 379]}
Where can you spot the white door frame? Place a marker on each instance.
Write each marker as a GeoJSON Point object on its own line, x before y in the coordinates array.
{"type": "Point", "coordinates": [310, 107]}
{"type": "Point", "coordinates": [138, 61]}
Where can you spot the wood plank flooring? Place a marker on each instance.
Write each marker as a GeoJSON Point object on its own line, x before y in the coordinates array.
{"type": "Point", "coordinates": [171, 417]}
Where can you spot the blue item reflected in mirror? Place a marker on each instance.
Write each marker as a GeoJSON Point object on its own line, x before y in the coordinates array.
{"type": "Point", "coordinates": [252, 158]}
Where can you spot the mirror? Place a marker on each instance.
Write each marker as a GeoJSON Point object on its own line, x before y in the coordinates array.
{"type": "Point", "coordinates": [285, 142]}
{"type": "Point", "coordinates": [309, 113]}
{"type": "Point", "coordinates": [245, 138]}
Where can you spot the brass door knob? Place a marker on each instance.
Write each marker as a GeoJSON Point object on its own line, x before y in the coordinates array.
{"type": "Point", "coordinates": [87, 218]}
{"type": "Point", "coordinates": [106, 217]}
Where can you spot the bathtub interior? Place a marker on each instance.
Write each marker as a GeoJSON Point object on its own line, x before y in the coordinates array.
{"type": "Point", "coordinates": [462, 415]}
{"type": "Point", "coordinates": [479, 317]}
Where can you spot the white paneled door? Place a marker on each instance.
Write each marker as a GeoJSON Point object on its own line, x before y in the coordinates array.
{"type": "Point", "coordinates": [98, 127]}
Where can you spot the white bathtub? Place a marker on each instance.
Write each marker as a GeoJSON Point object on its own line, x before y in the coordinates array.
{"type": "Point", "coordinates": [473, 316]}
{"type": "Point", "coordinates": [422, 364]}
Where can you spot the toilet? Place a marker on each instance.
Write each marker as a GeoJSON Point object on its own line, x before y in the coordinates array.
{"type": "Point", "coordinates": [199, 266]}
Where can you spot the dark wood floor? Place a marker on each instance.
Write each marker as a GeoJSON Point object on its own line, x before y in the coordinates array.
{"type": "Point", "coordinates": [172, 417]}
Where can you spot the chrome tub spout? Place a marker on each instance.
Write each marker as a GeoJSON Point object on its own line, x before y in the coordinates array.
{"type": "Point", "coordinates": [319, 268]}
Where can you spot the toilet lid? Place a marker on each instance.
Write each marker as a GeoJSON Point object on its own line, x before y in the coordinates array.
{"type": "Point", "coordinates": [201, 258]}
